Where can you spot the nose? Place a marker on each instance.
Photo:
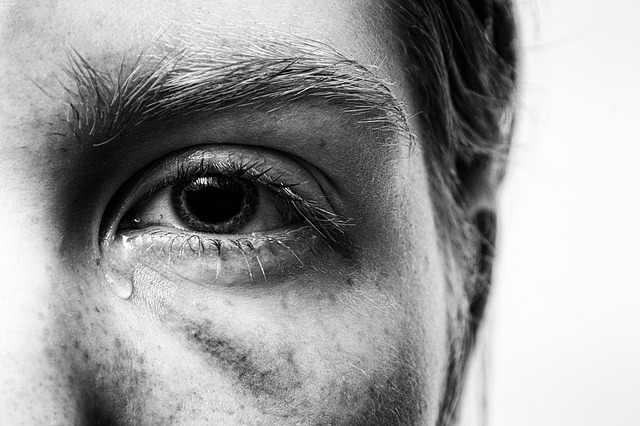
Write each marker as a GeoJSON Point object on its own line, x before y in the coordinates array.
{"type": "Point", "coordinates": [35, 383]}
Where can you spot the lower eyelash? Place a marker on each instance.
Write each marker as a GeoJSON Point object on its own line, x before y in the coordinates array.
{"type": "Point", "coordinates": [183, 246]}
{"type": "Point", "coordinates": [222, 261]}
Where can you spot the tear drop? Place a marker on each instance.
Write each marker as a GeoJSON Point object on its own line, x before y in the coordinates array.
{"type": "Point", "coordinates": [122, 287]}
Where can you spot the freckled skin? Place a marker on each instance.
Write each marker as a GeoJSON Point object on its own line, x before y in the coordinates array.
{"type": "Point", "coordinates": [337, 341]}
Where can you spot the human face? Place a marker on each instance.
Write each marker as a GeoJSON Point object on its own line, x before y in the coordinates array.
{"type": "Point", "coordinates": [322, 302]}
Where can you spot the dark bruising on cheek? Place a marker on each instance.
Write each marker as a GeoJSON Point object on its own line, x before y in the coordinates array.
{"type": "Point", "coordinates": [262, 380]}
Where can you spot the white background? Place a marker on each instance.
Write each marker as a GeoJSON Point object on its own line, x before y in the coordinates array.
{"type": "Point", "coordinates": [563, 336]}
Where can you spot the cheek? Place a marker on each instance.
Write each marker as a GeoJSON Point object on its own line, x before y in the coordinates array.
{"type": "Point", "coordinates": [320, 348]}
{"type": "Point", "coordinates": [341, 351]}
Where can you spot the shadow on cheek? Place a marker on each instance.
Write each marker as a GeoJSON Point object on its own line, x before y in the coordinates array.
{"type": "Point", "coordinates": [394, 401]}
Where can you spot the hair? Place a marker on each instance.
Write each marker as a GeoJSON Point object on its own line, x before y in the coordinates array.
{"type": "Point", "coordinates": [461, 57]}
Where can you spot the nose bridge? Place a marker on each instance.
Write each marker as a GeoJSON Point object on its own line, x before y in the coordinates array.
{"type": "Point", "coordinates": [33, 387]}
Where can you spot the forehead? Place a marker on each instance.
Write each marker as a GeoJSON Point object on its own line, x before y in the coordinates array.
{"type": "Point", "coordinates": [106, 29]}
{"type": "Point", "coordinates": [39, 36]}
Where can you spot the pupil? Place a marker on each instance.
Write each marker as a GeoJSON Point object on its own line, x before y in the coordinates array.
{"type": "Point", "coordinates": [214, 205]}
{"type": "Point", "coordinates": [219, 204]}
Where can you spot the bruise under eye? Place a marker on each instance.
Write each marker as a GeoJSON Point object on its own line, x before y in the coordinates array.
{"type": "Point", "coordinates": [217, 203]}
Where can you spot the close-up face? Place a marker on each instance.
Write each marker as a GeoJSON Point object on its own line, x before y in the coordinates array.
{"type": "Point", "coordinates": [218, 212]}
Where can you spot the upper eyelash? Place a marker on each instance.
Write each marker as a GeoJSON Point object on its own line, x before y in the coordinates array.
{"type": "Point", "coordinates": [246, 170]}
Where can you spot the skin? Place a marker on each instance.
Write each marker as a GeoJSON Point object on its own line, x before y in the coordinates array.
{"type": "Point", "coordinates": [337, 339]}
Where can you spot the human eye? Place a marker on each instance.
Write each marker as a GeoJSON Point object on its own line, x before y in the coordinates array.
{"type": "Point", "coordinates": [223, 215]}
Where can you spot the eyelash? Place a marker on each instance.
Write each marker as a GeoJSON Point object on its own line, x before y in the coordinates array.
{"type": "Point", "coordinates": [272, 251]}
{"type": "Point", "coordinates": [217, 248]}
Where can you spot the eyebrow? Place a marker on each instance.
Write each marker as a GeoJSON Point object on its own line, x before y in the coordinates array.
{"type": "Point", "coordinates": [222, 77]}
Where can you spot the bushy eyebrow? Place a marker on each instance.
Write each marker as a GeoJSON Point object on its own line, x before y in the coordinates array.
{"type": "Point", "coordinates": [222, 77]}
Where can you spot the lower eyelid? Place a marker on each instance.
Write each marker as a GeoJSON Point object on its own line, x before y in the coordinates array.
{"type": "Point", "coordinates": [221, 262]}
